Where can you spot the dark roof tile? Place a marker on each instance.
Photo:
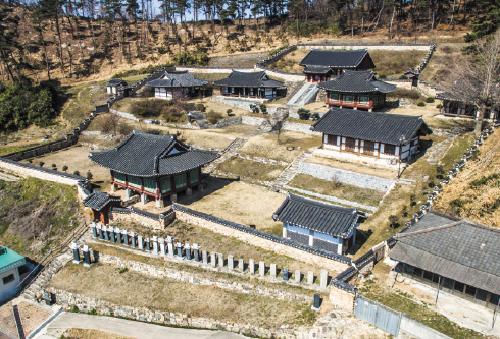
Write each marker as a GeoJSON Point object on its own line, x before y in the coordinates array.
{"type": "Point", "coordinates": [357, 82]}
{"type": "Point", "coordinates": [177, 80]}
{"type": "Point", "coordinates": [337, 59]}
{"type": "Point", "coordinates": [249, 79]}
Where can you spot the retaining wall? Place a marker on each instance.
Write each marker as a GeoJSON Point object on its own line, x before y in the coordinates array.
{"type": "Point", "coordinates": [288, 126]}
{"type": "Point", "coordinates": [267, 241]}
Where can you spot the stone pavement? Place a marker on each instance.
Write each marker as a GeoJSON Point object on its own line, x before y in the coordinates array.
{"type": "Point", "coordinates": [128, 328]}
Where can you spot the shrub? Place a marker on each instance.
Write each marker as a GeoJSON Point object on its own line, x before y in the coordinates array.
{"type": "Point", "coordinates": [89, 175]}
{"type": "Point", "coordinates": [405, 93]}
{"type": "Point", "coordinates": [53, 166]}
{"type": "Point", "coordinates": [198, 58]}
{"type": "Point", "coordinates": [64, 168]}
{"type": "Point", "coordinates": [393, 221]}
{"type": "Point", "coordinates": [315, 116]}
{"type": "Point", "coordinates": [41, 163]}
{"type": "Point", "coordinates": [420, 103]}
{"type": "Point", "coordinates": [263, 108]}
{"type": "Point", "coordinates": [439, 106]}
{"type": "Point", "coordinates": [76, 172]}
{"type": "Point", "coordinates": [122, 270]}
{"type": "Point", "coordinates": [440, 172]}
{"type": "Point", "coordinates": [429, 100]}
{"type": "Point", "coordinates": [200, 107]}
{"type": "Point", "coordinates": [230, 112]}
{"type": "Point", "coordinates": [173, 114]}
{"type": "Point", "coordinates": [124, 129]}
{"type": "Point", "coordinates": [254, 108]}
{"type": "Point", "coordinates": [148, 108]}
{"type": "Point", "coordinates": [213, 117]}
{"type": "Point", "coordinates": [74, 309]}
{"type": "Point", "coordinates": [304, 114]}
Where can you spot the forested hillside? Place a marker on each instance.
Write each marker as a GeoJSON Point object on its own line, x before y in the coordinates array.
{"type": "Point", "coordinates": [79, 38]}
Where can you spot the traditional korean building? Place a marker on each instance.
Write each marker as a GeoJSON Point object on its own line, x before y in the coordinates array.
{"type": "Point", "coordinates": [321, 65]}
{"type": "Point", "coordinates": [154, 166]}
{"type": "Point", "coordinates": [390, 137]}
{"type": "Point", "coordinates": [178, 85]}
{"type": "Point", "coordinates": [458, 107]}
{"type": "Point", "coordinates": [116, 86]}
{"type": "Point", "coordinates": [319, 225]}
{"type": "Point", "coordinates": [251, 85]}
{"type": "Point", "coordinates": [452, 255]}
{"type": "Point", "coordinates": [12, 267]}
{"type": "Point", "coordinates": [100, 203]}
{"type": "Point", "coordinates": [356, 89]}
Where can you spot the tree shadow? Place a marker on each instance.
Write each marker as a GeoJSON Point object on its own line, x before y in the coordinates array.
{"type": "Point", "coordinates": [210, 183]}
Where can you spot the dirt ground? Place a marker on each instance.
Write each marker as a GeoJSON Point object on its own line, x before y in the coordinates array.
{"type": "Point", "coordinates": [474, 193]}
{"type": "Point", "coordinates": [31, 314]}
{"type": "Point", "coordinates": [250, 170]}
{"type": "Point", "coordinates": [243, 203]}
{"type": "Point", "coordinates": [267, 145]}
{"type": "Point", "coordinates": [349, 166]}
{"type": "Point", "coordinates": [80, 333]}
{"type": "Point", "coordinates": [194, 301]}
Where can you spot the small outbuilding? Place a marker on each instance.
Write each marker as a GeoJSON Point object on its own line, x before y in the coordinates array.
{"type": "Point", "coordinates": [321, 65]}
{"type": "Point", "coordinates": [100, 203]}
{"type": "Point", "coordinates": [453, 255]}
{"type": "Point", "coordinates": [12, 267]}
{"type": "Point", "coordinates": [349, 132]}
{"type": "Point", "coordinates": [117, 86]}
{"type": "Point", "coordinates": [251, 85]}
{"type": "Point", "coordinates": [178, 85]}
{"type": "Point", "coordinates": [357, 89]}
{"type": "Point", "coordinates": [317, 224]}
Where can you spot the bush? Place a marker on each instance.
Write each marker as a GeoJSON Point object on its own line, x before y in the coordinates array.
{"type": "Point", "coordinates": [393, 221]}
{"type": "Point", "coordinates": [143, 70]}
{"type": "Point", "coordinates": [420, 103]}
{"type": "Point", "coordinates": [213, 117]}
{"type": "Point", "coordinates": [125, 129]}
{"type": "Point", "coordinates": [405, 93]}
{"type": "Point", "coordinates": [197, 58]}
{"type": "Point", "coordinates": [200, 107]}
{"type": "Point", "coordinates": [41, 163]}
{"type": "Point", "coordinates": [173, 114]}
{"type": "Point", "coordinates": [304, 114]}
{"type": "Point", "coordinates": [64, 168]}
{"type": "Point", "coordinates": [315, 116]}
{"type": "Point", "coordinates": [439, 106]}
{"type": "Point", "coordinates": [148, 108]}
{"type": "Point", "coordinates": [429, 100]}
{"type": "Point", "coordinates": [254, 108]}
{"type": "Point", "coordinates": [89, 175]}
{"type": "Point", "coordinates": [53, 166]}
{"type": "Point", "coordinates": [263, 108]}
{"type": "Point", "coordinates": [230, 112]}
{"type": "Point", "coordinates": [76, 172]}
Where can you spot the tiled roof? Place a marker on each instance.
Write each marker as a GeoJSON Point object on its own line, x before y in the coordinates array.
{"type": "Point", "coordinates": [372, 126]}
{"type": "Point", "coordinates": [338, 59]}
{"type": "Point", "coordinates": [357, 82]}
{"type": "Point", "coordinates": [177, 80]}
{"type": "Point", "coordinates": [10, 259]}
{"type": "Point", "coordinates": [313, 215]}
{"type": "Point", "coordinates": [147, 155]}
{"type": "Point", "coordinates": [116, 82]}
{"type": "Point", "coordinates": [317, 69]}
{"type": "Point", "coordinates": [248, 79]}
{"type": "Point", "coordinates": [98, 200]}
{"type": "Point", "coordinates": [456, 249]}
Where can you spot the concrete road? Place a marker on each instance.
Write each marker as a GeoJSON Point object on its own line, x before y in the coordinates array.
{"type": "Point", "coordinates": [127, 328]}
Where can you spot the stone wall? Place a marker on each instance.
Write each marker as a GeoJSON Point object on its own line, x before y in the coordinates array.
{"type": "Point", "coordinates": [288, 126]}
{"type": "Point", "coordinates": [369, 47]}
{"type": "Point", "coordinates": [101, 307]}
{"type": "Point", "coordinates": [269, 244]}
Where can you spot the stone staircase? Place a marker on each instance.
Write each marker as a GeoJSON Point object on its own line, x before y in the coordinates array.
{"type": "Point", "coordinates": [289, 172]}
{"type": "Point", "coordinates": [38, 284]}
{"type": "Point", "coordinates": [304, 95]}
{"type": "Point", "coordinates": [226, 154]}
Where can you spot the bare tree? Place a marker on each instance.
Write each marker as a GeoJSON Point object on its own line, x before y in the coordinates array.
{"type": "Point", "coordinates": [475, 79]}
{"type": "Point", "coordinates": [277, 120]}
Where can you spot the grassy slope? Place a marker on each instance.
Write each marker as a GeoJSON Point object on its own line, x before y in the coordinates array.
{"type": "Point", "coordinates": [194, 301]}
{"type": "Point", "coordinates": [35, 215]}
{"type": "Point", "coordinates": [83, 99]}
{"type": "Point", "coordinates": [251, 169]}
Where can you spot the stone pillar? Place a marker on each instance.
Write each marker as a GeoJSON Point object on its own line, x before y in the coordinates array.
{"type": "Point", "coordinates": [323, 279]}
{"type": "Point", "coordinates": [241, 265]}
{"type": "Point", "coordinates": [155, 245]}
{"type": "Point", "coordinates": [220, 258]}
{"type": "Point", "coordinates": [212, 259]}
{"type": "Point", "coordinates": [262, 269]}
{"type": "Point", "coordinates": [132, 240]}
{"type": "Point", "coordinates": [285, 234]}
{"type": "Point", "coordinates": [140, 243]}
{"type": "Point", "coordinates": [144, 198]}
{"type": "Point", "coordinates": [297, 276]}
{"type": "Point", "coordinates": [188, 251]}
{"type": "Point", "coordinates": [76, 253]}
{"type": "Point", "coordinates": [272, 271]}
{"type": "Point", "coordinates": [316, 301]}
{"type": "Point", "coordinates": [128, 194]}
{"type": "Point", "coordinates": [102, 230]}
{"type": "Point", "coordinates": [310, 278]}
{"type": "Point", "coordinates": [116, 235]}
{"type": "Point", "coordinates": [161, 241]}
{"type": "Point", "coordinates": [160, 203]}
{"type": "Point", "coordinates": [125, 237]}
{"type": "Point", "coordinates": [170, 247]}
{"type": "Point", "coordinates": [93, 228]}
{"type": "Point", "coordinates": [230, 262]}
{"type": "Point", "coordinates": [251, 266]}
{"type": "Point", "coordinates": [285, 274]}
{"type": "Point", "coordinates": [86, 256]}
{"type": "Point", "coordinates": [204, 257]}
{"type": "Point", "coordinates": [179, 250]}
{"type": "Point", "coordinates": [147, 245]}
{"type": "Point", "coordinates": [196, 252]}
{"type": "Point", "coordinates": [106, 233]}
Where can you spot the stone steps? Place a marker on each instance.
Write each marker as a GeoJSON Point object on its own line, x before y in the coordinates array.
{"type": "Point", "coordinates": [228, 153]}
{"type": "Point", "coordinates": [290, 172]}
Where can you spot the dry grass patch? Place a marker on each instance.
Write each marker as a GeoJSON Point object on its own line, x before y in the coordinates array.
{"type": "Point", "coordinates": [340, 190]}
{"type": "Point", "coordinates": [177, 297]}
{"type": "Point", "coordinates": [252, 170]}
{"type": "Point", "coordinates": [243, 203]}
{"type": "Point", "coordinates": [83, 333]}
{"type": "Point", "coordinates": [394, 63]}
{"type": "Point", "coordinates": [83, 99]}
{"type": "Point", "coordinates": [268, 146]}
{"type": "Point", "coordinates": [475, 193]}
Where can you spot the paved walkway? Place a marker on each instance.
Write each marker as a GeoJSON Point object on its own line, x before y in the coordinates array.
{"type": "Point", "coordinates": [126, 328]}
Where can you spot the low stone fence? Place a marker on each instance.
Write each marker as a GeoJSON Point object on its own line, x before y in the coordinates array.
{"type": "Point", "coordinates": [143, 217]}
{"type": "Point", "coordinates": [370, 47]}
{"type": "Point", "coordinates": [124, 115]}
{"type": "Point", "coordinates": [201, 69]}
{"type": "Point", "coordinates": [275, 57]}
{"type": "Point", "coordinates": [174, 249]}
{"type": "Point", "coordinates": [29, 170]}
{"type": "Point", "coordinates": [144, 314]}
{"type": "Point", "coordinates": [288, 247]}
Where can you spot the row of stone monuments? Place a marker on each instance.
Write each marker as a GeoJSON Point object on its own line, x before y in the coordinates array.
{"type": "Point", "coordinates": [170, 249]}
